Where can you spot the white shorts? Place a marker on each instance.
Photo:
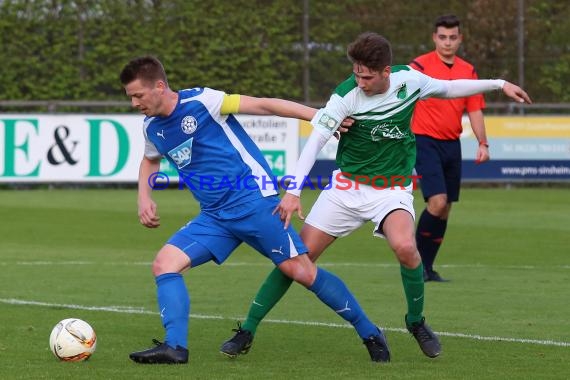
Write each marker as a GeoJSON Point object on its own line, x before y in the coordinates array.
{"type": "Point", "coordinates": [341, 209]}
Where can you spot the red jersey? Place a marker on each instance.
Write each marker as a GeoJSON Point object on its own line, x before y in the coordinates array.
{"type": "Point", "coordinates": [441, 118]}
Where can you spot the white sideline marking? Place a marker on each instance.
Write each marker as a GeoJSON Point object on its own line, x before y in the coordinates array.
{"type": "Point", "coordinates": [268, 264]}
{"type": "Point", "coordinates": [113, 309]}
{"type": "Point", "coordinates": [139, 310]}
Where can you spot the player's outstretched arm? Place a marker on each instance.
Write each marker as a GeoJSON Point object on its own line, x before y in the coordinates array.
{"type": "Point", "coordinates": [458, 88]}
{"type": "Point", "coordinates": [273, 106]}
{"type": "Point", "coordinates": [516, 93]}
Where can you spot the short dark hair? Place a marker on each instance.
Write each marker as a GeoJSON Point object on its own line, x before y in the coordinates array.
{"type": "Point", "coordinates": [147, 69]}
{"type": "Point", "coordinates": [447, 21]}
{"type": "Point", "coordinates": [371, 50]}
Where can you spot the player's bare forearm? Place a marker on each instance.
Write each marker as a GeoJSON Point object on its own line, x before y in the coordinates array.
{"type": "Point", "coordinates": [147, 212]}
{"type": "Point", "coordinates": [273, 106]}
{"type": "Point", "coordinates": [146, 169]}
{"type": "Point", "coordinates": [477, 122]}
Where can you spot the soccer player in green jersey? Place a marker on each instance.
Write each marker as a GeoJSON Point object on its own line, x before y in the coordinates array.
{"type": "Point", "coordinates": [374, 181]}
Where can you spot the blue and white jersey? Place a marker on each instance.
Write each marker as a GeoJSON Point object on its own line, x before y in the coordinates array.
{"type": "Point", "coordinates": [214, 156]}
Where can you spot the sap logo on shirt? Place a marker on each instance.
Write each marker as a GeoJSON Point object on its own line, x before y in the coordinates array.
{"type": "Point", "coordinates": [182, 154]}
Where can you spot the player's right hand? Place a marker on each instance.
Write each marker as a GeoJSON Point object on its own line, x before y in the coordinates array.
{"type": "Point", "coordinates": [515, 92]}
{"type": "Point", "coordinates": [148, 216]}
{"type": "Point", "coordinates": [288, 205]}
{"type": "Point", "coordinates": [344, 127]}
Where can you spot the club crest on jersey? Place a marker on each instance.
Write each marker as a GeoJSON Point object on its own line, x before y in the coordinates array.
{"type": "Point", "coordinates": [189, 124]}
{"type": "Point", "coordinates": [328, 122]}
{"type": "Point", "coordinates": [402, 91]}
{"type": "Point", "coordinates": [182, 154]}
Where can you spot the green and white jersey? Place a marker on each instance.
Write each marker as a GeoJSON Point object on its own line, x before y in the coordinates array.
{"type": "Point", "coordinates": [380, 142]}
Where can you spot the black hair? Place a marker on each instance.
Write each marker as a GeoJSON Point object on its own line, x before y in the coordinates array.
{"type": "Point", "coordinates": [147, 69]}
{"type": "Point", "coordinates": [447, 21]}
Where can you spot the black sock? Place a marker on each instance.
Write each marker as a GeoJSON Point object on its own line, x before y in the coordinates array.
{"type": "Point", "coordinates": [429, 236]}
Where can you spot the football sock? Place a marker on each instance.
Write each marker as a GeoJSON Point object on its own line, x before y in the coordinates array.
{"type": "Point", "coordinates": [413, 281]}
{"type": "Point", "coordinates": [333, 292]}
{"type": "Point", "coordinates": [270, 292]}
{"type": "Point", "coordinates": [429, 236]}
{"type": "Point", "coordinates": [174, 308]}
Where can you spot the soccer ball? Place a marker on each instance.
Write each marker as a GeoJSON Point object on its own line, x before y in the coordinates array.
{"type": "Point", "coordinates": [72, 340]}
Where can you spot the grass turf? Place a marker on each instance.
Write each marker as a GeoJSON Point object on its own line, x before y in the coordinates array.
{"type": "Point", "coordinates": [82, 253]}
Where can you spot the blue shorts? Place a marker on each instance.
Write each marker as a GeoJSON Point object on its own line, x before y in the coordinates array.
{"type": "Point", "coordinates": [438, 162]}
{"type": "Point", "coordinates": [215, 235]}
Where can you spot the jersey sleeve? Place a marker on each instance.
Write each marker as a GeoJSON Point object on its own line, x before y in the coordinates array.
{"type": "Point", "coordinates": [210, 98]}
{"type": "Point", "coordinates": [457, 88]}
{"type": "Point", "coordinates": [150, 150]}
{"type": "Point", "coordinates": [475, 102]}
{"type": "Point", "coordinates": [328, 119]}
{"type": "Point", "coordinates": [429, 87]}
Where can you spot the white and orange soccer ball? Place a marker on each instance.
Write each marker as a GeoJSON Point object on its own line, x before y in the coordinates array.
{"type": "Point", "coordinates": [73, 340]}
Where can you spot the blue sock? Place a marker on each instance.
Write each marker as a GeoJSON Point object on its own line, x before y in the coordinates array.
{"type": "Point", "coordinates": [333, 292]}
{"type": "Point", "coordinates": [174, 308]}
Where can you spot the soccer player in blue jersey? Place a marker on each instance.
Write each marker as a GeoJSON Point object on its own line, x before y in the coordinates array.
{"type": "Point", "coordinates": [195, 130]}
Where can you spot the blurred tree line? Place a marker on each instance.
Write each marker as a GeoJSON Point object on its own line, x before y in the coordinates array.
{"type": "Point", "coordinates": [74, 49]}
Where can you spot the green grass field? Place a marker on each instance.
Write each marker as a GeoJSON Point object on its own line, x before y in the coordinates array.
{"type": "Point", "coordinates": [82, 253]}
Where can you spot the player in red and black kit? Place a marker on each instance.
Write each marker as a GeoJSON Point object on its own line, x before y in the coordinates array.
{"type": "Point", "coordinates": [437, 126]}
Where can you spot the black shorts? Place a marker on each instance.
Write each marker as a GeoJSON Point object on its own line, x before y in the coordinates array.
{"type": "Point", "coordinates": [438, 162]}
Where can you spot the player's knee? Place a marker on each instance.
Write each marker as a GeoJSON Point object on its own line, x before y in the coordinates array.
{"type": "Point", "coordinates": [405, 247]}
{"type": "Point", "coordinates": [158, 266]}
{"type": "Point", "coordinates": [437, 206]}
{"type": "Point", "coordinates": [169, 262]}
{"type": "Point", "coordinates": [300, 269]}
{"type": "Point", "coordinates": [407, 253]}
{"type": "Point", "coordinates": [439, 212]}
